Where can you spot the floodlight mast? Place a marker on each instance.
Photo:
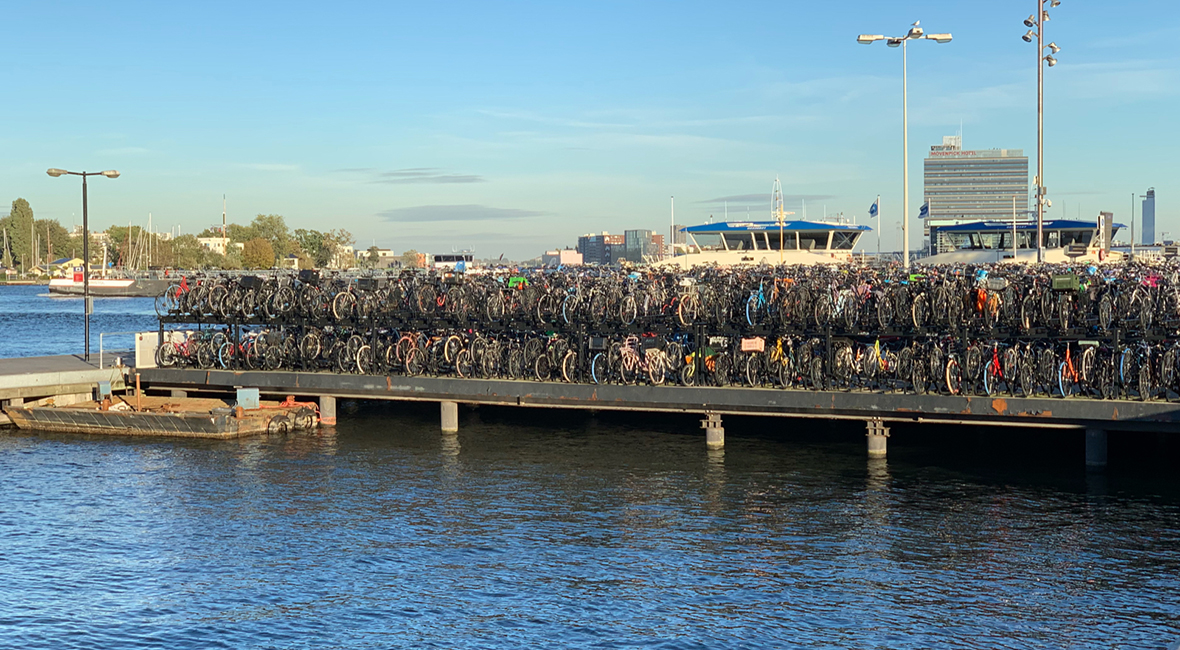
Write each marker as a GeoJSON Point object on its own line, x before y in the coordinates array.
{"type": "Point", "coordinates": [1037, 23]}
{"type": "Point", "coordinates": [915, 32]}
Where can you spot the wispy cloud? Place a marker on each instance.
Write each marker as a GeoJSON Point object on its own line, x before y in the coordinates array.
{"type": "Point", "coordinates": [764, 197]}
{"type": "Point", "coordinates": [270, 167]}
{"type": "Point", "coordinates": [124, 151]}
{"type": "Point", "coordinates": [413, 175]}
{"type": "Point", "coordinates": [434, 213]}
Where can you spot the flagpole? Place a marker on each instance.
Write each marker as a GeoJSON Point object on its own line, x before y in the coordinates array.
{"type": "Point", "coordinates": [878, 227]}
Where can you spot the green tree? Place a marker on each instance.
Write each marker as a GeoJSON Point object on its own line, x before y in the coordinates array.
{"type": "Point", "coordinates": [258, 254]}
{"type": "Point", "coordinates": [273, 228]}
{"type": "Point", "coordinates": [410, 259]}
{"type": "Point", "coordinates": [374, 257]}
{"type": "Point", "coordinates": [186, 253]}
{"type": "Point", "coordinates": [310, 242]}
{"type": "Point", "coordinates": [19, 224]}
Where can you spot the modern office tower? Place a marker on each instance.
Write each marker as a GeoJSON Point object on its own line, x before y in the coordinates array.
{"type": "Point", "coordinates": [971, 185]}
{"type": "Point", "coordinates": [1148, 218]}
{"type": "Point", "coordinates": [601, 249]}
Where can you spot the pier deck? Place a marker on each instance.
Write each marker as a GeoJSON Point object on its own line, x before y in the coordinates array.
{"type": "Point", "coordinates": [859, 405]}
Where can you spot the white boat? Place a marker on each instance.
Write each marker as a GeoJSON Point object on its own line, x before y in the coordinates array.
{"type": "Point", "coordinates": [991, 242]}
{"type": "Point", "coordinates": [766, 242]}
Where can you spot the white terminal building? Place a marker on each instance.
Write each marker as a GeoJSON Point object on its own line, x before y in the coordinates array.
{"type": "Point", "coordinates": [961, 186]}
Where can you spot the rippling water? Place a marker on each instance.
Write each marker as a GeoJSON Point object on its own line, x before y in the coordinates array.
{"type": "Point", "coordinates": [558, 530]}
{"type": "Point", "coordinates": [539, 530]}
{"type": "Point", "coordinates": [33, 323]}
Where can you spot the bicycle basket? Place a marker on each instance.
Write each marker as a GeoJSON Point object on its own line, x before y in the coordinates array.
{"type": "Point", "coordinates": [654, 343]}
{"type": "Point", "coordinates": [251, 282]}
{"type": "Point", "coordinates": [309, 276]}
{"type": "Point", "coordinates": [996, 284]}
{"type": "Point", "coordinates": [756, 344]}
{"type": "Point", "coordinates": [597, 343]}
{"type": "Point", "coordinates": [370, 284]}
{"type": "Point", "coordinates": [1065, 282]}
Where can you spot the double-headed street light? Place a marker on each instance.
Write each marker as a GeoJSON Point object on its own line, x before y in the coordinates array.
{"type": "Point", "coordinates": [1036, 24]}
{"type": "Point", "coordinates": [86, 303]}
{"type": "Point", "coordinates": [894, 41]}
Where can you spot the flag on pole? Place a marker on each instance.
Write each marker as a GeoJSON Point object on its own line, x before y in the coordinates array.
{"type": "Point", "coordinates": [924, 211]}
{"type": "Point", "coordinates": [873, 209]}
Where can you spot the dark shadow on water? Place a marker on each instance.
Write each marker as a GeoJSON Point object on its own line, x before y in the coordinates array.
{"type": "Point", "coordinates": [1140, 463]}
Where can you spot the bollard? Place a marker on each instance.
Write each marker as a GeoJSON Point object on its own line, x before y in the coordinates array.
{"type": "Point", "coordinates": [714, 432]}
{"type": "Point", "coordinates": [450, 417]}
{"type": "Point", "coordinates": [878, 435]}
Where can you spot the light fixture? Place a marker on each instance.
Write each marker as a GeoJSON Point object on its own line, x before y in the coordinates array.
{"type": "Point", "coordinates": [1053, 48]}
{"type": "Point", "coordinates": [893, 42]}
{"type": "Point", "coordinates": [1055, 3]}
{"type": "Point", "coordinates": [1045, 16]}
{"type": "Point", "coordinates": [1031, 21]}
{"type": "Point", "coordinates": [1052, 62]}
{"type": "Point", "coordinates": [868, 39]}
{"type": "Point", "coordinates": [55, 172]}
{"type": "Point", "coordinates": [939, 38]}
{"type": "Point", "coordinates": [1029, 36]}
{"type": "Point", "coordinates": [110, 173]}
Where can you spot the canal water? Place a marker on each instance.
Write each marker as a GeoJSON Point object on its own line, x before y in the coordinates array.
{"type": "Point", "coordinates": [34, 323]}
{"type": "Point", "coordinates": [547, 529]}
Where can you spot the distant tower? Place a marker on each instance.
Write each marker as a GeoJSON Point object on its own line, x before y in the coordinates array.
{"type": "Point", "coordinates": [1148, 218]}
{"type": "Point", "coordinates": [776, 200]}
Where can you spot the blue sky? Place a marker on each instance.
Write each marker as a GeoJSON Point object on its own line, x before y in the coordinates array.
{"type": "Point", "coordinates": [536, 122]}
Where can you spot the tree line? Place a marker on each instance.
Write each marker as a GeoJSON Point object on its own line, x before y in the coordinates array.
{"type": "Point", "coordinates": [26, 242]}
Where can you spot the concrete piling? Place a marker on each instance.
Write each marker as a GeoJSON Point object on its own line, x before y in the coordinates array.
{"type": "Point", "coordinates": [714, 432]}
{"type": "Point", "coordinates": [1095, 449]}
{"type": "Point", "coordinates": [878, 437]}
{"type": "Point", "coordinates": [327, 410]}
{"type": "Point", "coordinates": [450, 417]}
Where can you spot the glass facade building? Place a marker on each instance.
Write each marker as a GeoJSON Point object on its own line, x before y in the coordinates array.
{"type": "Point", "coordinates": [973, 185]}
{"type": "Point", "coordinates": [1148, 218]}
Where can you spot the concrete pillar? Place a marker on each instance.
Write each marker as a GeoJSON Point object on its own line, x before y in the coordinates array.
{"type": "Point", "coordinates": [878, 435]}
{"type": "Point", "coordinates": [1095, 448]}
{"type": "Point", "coordinates": [16, 401]}
{"type": "Point", "coordinates": [714, 432]}
{"type": "Point", "coordinates": [178, 394]}
{"type": "Point", "coordinates": [450, 417]}
{"type": "Point", "coordinates": [327, 411]}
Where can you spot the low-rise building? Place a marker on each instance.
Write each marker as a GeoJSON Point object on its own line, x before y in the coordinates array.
{"type": "Point", "coordinates": [562, 257]}
{"type": "Point", "coordinates": [219, 245]}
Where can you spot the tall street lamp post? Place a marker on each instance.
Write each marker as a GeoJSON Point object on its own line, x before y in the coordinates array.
{"type": "Point", "coordinates": [1036, 23]}
{"type": "Point", "coordinates": [86, 303]}
{"type": "Point", "coordinates": [894, 41]}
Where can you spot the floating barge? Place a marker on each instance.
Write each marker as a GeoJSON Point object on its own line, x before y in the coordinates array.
{"type": "Point", "coordinates": [166, 416]}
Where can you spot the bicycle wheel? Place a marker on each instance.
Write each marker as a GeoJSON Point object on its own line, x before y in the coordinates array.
{"type": "Point", "coordinates": [688, 375]}
{"type": "Point", "coordinates": [415, 362]}
{"type": "Point", "coordinates": [990, 375]}
{"type": "Point", "coordinates": [464, 364]}
{"type": "Point", "coordinates": [599, 372]}
{"type": "Point", "coordinates": [656, 368]}
{"type": "Point", "coordinates": [542, 368]}
{"type": "Point", "coordinates": [628, 310]}
{"type": "Point", "coordinates": [753, 317]}
{"type": "Point", "coordinates": [1063, 381]}
{"type": "Point", "coordinates": [569, 367]}
{"type": "Point", "coordinates": [166, 355]}
{"type": "Point", "coordinates": [364, 360]}
{"type": "Point", "coordinates": [753, 374]}
{"type": "Point", "coordinates": [954, 376]}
